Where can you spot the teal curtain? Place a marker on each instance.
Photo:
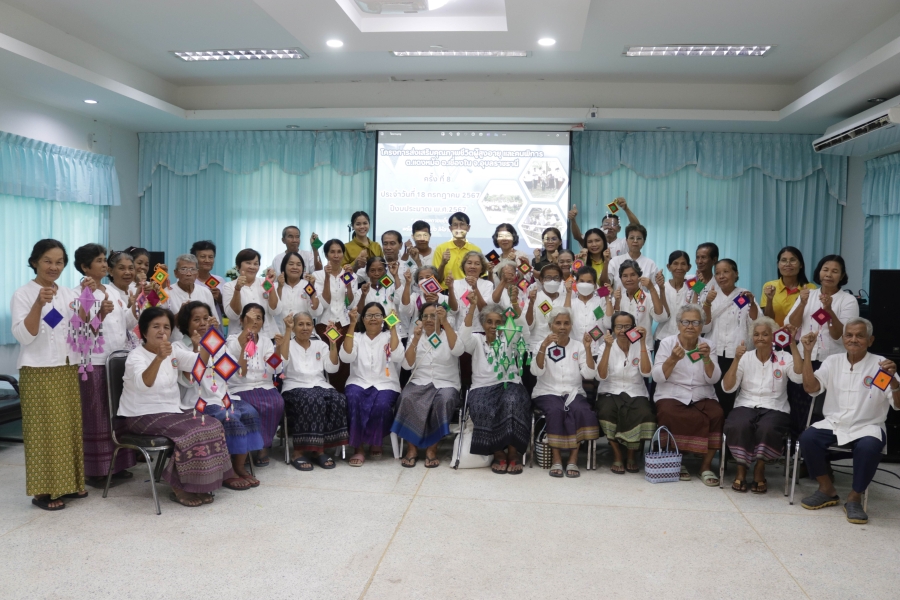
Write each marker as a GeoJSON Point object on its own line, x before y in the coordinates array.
{"type": "Point", "coordinates": [881, 206]}
{"type": "Point", "coordinates": [24, 222]}
{"type": "Point", "coordinates": [751, 194]}
{"type": "Point", "coordinates": [33, 169]}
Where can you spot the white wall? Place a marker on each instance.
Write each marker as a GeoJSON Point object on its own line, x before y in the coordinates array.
{"type": "Point", "coordinates": [30, 119]}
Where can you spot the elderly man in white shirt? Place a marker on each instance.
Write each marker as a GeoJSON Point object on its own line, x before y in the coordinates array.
{"type": "Point", "coordinates": [186, 288]}
{"type": "Point", "coordinates": [855, 410]}
{"type": "Point", "coordinates": [290, 237]}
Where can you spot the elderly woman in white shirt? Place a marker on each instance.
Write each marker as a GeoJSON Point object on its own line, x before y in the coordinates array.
{"type": "Point", "coordinates": [834, 307]}
{"type": "Point", "coordinates": [247, 289]}
{"type": "Point", "coordinates": [116, 320]}
{"type": "Point", "coordinates": [186, 288]}
{"type": "Point", "coordinates": [638, 295]}
{"type": "Point", "coordinates": [757, 425]}
{"type": "Point", "coordinates": [258, 359]}
{"type": "Point", "coordinates": [727, 309]}
{"type": "Point", "coordinates": [151, 405]}
{"type": "Point", "coordinates": [686, 403]}
{"type": "Point", "coordinates": [414, 296]}
{"type": "Point", "coordinates": [623, 407]}
{"type": "Point", "coordinates": [316, 412]}
{"type": "Point", "coordinates": [854, 411]}
{"type": "Point", "coordinates": [294, 292]}
{"type": "Point", "coordinates": [560, 365]}
{"type": "Point", "coordinates": [336, 296]}
{"type": "Point", "coordinates": [432, 394]}
{"type": "Point", "coordinates": [48, 381]}
{"type": "Point", "coordinates": [240, 420]}
{"type": "Point", "coordinates": [374, 353]}
{"type": "Point", "coordinates": [374, 291]}
{"type": "Point", "coordinates": [474, 288]}
{"type": "Point", "coordinates": [498, 403]}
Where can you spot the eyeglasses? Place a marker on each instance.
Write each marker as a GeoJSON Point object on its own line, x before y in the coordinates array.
{"type": "Point", "coordinates": [187, 270]}
{"type": "Point", "coordinates": [622, 327]}
{"type": "Point", "coordinates": [373, 316]}
{"type": "Point", "coordinates": [557, 279]}
{"type": "Point", "coordinates": [686, 323]}
{"type": "Point", "coordinates": [429, 317]}
{"type": "Point", "coordinates": [551, 239]}
{"type": "Point", "coordinates": [788, 261]}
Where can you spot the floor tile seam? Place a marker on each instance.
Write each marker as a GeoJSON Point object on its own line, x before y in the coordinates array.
{"type": "Point", "coordinates": [324, 489]}
{"type": "Point", "coordinates": [769, 548]}
{"type": "Point", "coordinates": [20, 526]}
{"type": "Point", "coordinates": [387, 546]}
{"type": "Point", "coordinates": [703, 510]}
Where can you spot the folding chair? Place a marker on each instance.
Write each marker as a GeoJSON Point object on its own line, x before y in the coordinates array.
{"type": "Point", "coordinates": [812, 406]}
{"type": "Point", "coordinates": [162, 446]}
{"type": "Point", "coordinates": [463, 417]}
{"type": "Point", "coordinates": [723, 454]}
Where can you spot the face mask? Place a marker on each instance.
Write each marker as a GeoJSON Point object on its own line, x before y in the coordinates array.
{"type": "Point", "coordinates": [422, 236]}
{"type": "Point", "coordinates": [459, 234]}
{"type": "Point", "coordinates": [504, 235]}
{"type": "Point", "coordinates": [585, 289]}
{"type": "Point", "coordinates": [551, 286]}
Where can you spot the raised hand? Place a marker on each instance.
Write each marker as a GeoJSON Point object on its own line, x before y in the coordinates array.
{"type": "Point", "coordinates": [88, 282]}
{"type": "Point", "coordinates": [804, 296]}
{"type": "Point", "coordinates": [417, 330]}
{"type": "Point", "coordinates": [660, 279]}
{"type": "Point", "coordinates": [361, 258]}
{"type": "Point", "coordinates": [645, 282]}
{"type": "Point", "coordinates": [328, 269]}
{"type": "Point", "coordinates": [289, 322]}
{"type": "Point", "coordinates": [448, 281]}
{"type": "Point", "coordinates": [312, 239]}
{"type": "Point", "coordinates": [196, 336]}
{"type": "Point", "coordinates": [677, 353]}
{"type": "Point", "coordinates": [621, 202]}
{"type": "Point", "coordinates": [889, 366]}
{"type": "Point", "coordinates": [793, 331]}
{"type": "Point", "coordinates": [354, 316]}
{"type": "Point", "coordinates": [394, 268]}
{"type": "Point", "coordinates": [607, 255]}
{"type": "Point", "coordinates": [164, 350]}
{"type": "Point", "coordinates": [278, 339]}
{"type": "Point", "coordinates": [642, 331]}
{"type": "Point", "coordinates": [769, 291]}
{"type": "Point", "coordinates": [240, 282]}
{"type": "Point", "coordinates": [445, 256]}
{"type": "Point", "coordinates": [608, 338]}
{"type": "Point", "coordinates": [364, 290]}
{"type": "Point", "coordinates": [106, 306]}
{"type": "Point", "coordinates": [472, 281]}
{"type": "Point", "coordinates": [312, 278]}
{"type": "Point", "coordinates": [212, 323]}
{"type": "Point", "coordinates": [441, 314]}
{"type": "Point", "coordinates": [280, 281]}
{"type": "Point", "coordinates": [809, 341]}
{"type": "Point", "coordinates": [573, 212]}
{"type": "Point", "coordinates": [740, 351]}
{"type": "Point", "coordinates": [407, 276]}
{"type": "Point", "coordinates": [825, 299]}
{"type": "Point", "coordinates": [617, 295]}
{"type": "Point", "coordinates": [704, 349]}
{"type": "Point", "coordinates": [711, 295]}
{"type": "Point", "coordinates": [132, 296]}
{"type": "Point", "coordinates": [550, 340]}
{"type": "Point", "coordinates": [537, 255]}
{"type": "Point", "coordinates": [587, 340]}
{"type": "Point", "coordinates": [413, 251]}
{"type": "Point", "coordinates": [44, 296]}
{"type": "Point", "coordinates": [532, 294]}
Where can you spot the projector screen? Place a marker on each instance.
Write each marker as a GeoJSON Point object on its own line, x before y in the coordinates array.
{"type": "Point", "coordinates": [495, 177]}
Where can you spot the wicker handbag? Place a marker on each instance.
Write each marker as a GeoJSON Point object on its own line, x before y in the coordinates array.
{"type": "Point", "coordinates": [543, 455]}
{"type": "Point", "coordinates": [662, 466]}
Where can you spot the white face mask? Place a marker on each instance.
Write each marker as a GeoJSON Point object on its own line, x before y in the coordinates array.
{"type": "Point", "coordinates": [585, 289]}
{"type": "Point", "coordinates": [551, 286]}
{"type": "Point", "coordinates": [459, 234]}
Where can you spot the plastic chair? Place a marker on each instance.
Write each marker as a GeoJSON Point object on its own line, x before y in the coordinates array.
{"type": "Point", "coordinates": [723, 453]}
{"type": "Point", "coordinates": [812, 406]}
{"type": "Point", "coordinates": [162, 446]}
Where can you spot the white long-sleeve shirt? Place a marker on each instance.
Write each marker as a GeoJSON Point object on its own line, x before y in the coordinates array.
{"type": "Point", "coordinates": [853, 407]}
{"type": "Point", "coordinates": [389, 299]}
{"type": "Point", "coordinates": [115, 325]}
{"type": "Point", "coordinates": [293, 300]}
{"type": "Point", "coordinates": [483, 374]}
{"type": "Point", "coordinates": [648, 267]}
{"type": "Point", "coordinates": [623, 371]}
{"type": "Point", "coordinates": [688, 381]}
{"type": "Point", "coordinates": [336, 310]}
{"type": "Point", "coordinates": [163, 396]}
{"type": "Point", "coordinates": [259, 372]}
{"type": "Point", "coordinates": [309, 264]}
{"type": "Point", "coordinates": [675, 299]}
{"type": "Point", "coordinates": [252, 293]}
{"type": "Point", "coordinates": [764, 384]}
{"type": "Point", "coordinates": [306, 367]}
{"type": "Point", "coordinates": [48, 348]}
{"type": "Point", "coordinates": [192, 390]}
{"type": "Point", "coordinates": [178, 298]}
{"type": "Point", "coordinates": [438, 366]}
{"type": "Point", "coordinates": [728, 326]}
{"type": "Point", "coordinates": [560, 378]}
{"type": "Point", "coordinates": [540, 326]}
{"type": "Point", "coordinates": [844, 306]}
{"type": "Point", "coordinates": [460, 286]}
{"type": "Point", "coordinates": [373, 363]}
{"type": "Point", "coordinates": [643, 312]}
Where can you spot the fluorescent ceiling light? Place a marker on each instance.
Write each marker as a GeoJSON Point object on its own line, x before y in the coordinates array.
{"type": "Point", "coordinates": [697, 50]}
{"type": "Point", "coordinates": [248, 54]}
{"type": "Point", "coordinates": [90, 102]}
{"type": "Point", "coordinates": [399, 7]}
{"type": "Point", "coordinates": [334, 43]}
{"type": "Point", "coordinates": [546, 41]}
{"type": "Point", "coordinates": [464, 53]}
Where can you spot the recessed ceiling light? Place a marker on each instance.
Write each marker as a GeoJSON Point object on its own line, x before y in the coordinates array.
{"type": "Point", "coordinates": [697, 50]}
{"type": "Point", "coordinates": [463, 53]}
{"type": "Point", "coordinates": [876, 100]}
{"type": "Point", "coordinates": [546, 41]}
{"type": "Point", "coordinates": [90, 102]}
{"type": "Point", "coordinates": [293, 127]}
{"type": "Point", "coordinates": [334, 43]}
{"type": "Point", "coordinates": [246, 54]}
{"type": "Point", "coordinates": [663, 128]}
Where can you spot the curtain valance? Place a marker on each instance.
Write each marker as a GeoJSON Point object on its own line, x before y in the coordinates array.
{"type": "Point", "coordinates": [786, 157]}
{"type": "Point", "coordinates": [245, 152]}
{"type": "Point", "coordinates": [34, 169]}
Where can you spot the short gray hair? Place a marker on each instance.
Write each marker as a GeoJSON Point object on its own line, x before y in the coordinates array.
{"type": "Point", "coordinates": [559, 310]}
{"type": "Point", "coordinates": [186, 258]}
{"type": "Point", "coordinates": [490, 308]}
{"type": "Point", "coordinates": [762, 320]}
{"type": "Point", "coordinates": [117, 257]}
{"type": "Point", "coordinates": [285, 230]}
{"type": "Point", "coordinates": [425, 268]}
{"type": "Point", "coordinates": [303, 313]}
{"type": "Point", "coordinates": [860, 321]}
{"type": "Point", "coordinates": [498, 269]}
{"type": "Point", "coordinates": [686, 308]}
{"type": "Point", "coordinates": [630, 264]}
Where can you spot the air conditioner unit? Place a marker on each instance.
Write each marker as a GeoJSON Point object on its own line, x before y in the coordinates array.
{"type": "Point", "coordinates": [396, 7]}
{"type": "Point", "coordinates": [866, 133]}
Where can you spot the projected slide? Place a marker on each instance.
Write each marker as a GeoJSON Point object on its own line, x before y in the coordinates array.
{"type": "Point", "coordinates": [493, 176]}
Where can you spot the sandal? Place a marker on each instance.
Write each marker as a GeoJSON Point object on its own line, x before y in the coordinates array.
{"type": "Point", "coordinates": [254, 482]}
{"type": "Point", "coordinates": [233, 483]}
{"type": "Point", "coordinates": [409, 461]}
{"type": "Point", "coordinates": [77, 495]}
{"type": "Point", "coordinates": [44, 503]}
{"type": "Point", "coordinates": [431, 463]}
{"type": "Point", "coordinates": [620, 465]}
{"type": "Point", "coordinates": [556, 470]}
{"type": "Point", "coordinates": [709, 479]}
{"type": "Point", "coordinates": [740, 486]}
{"type": "Point", "coordinates": [684, 475]}
{"type": "Point", "coordinates": [185, 502]}
{"type": "Point", "coordinates": [759, 487]}
{"type": "Point", "coordinates": [572, 468]}
{"type": "Point", "coordinates": [514, 468]}
{"type": "Point", "coordinates": [357, 459]}
{"type": "Point", "coordinates": [261, 462]}
{"type": "Point", "coordinates": [819, 499]}
{"type": "Point", "coordinates": [499, 467]}
{"type": "Point", "coordinates": [324, 461]}
{"type": "Point", "coordinates": [301, 463]}
{"type": "Point", "coordinates": [207, 498]}
{"type": "Point", "coordinates": [632, 467]}
{"type": "Point", "coordinates": [375, 453]}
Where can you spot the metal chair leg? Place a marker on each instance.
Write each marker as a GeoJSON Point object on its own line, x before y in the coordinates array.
{"type": "Point", "coordinates": [152, 479]}
{"type": "Point", "coordinates": [787, 464]}
{"type": "Point", "coordinates": [161, 457]}
{"type": "Point", "coordinates": [866, 501]}
{"type": "Point", "coordinates": [531, 444]}
{"type": "Point", "coordinates": [796, 470]}
{"type": "Point", "coordinates": [722, 463]}
{"type": "Point", "coordinates": [109, 473]}
{"type": "Point", "coordinates": [284, 437]}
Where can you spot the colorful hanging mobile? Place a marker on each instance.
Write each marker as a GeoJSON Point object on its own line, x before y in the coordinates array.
{"type": "Point", "coordinates": [85, 333]}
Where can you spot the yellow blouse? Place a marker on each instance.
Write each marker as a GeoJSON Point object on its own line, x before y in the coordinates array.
{"type": "Point", "coordinates": [353, 248]}
{"type": "Point", "coordinates": [782, 302]}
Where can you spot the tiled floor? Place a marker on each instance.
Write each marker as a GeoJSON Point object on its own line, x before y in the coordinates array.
{"type": "Point", "coordinates": [383, 531]}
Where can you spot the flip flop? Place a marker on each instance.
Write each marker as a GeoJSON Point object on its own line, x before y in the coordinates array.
{"type": "Point", "coordinates": [324, 461]}
{"type": "Point", "coordinates": [502, 467]}
{"type": "Point", "coordinates": [556, 470]}
{"type": "Point", "coordinates": [759, 487]}
{"type": "Point", "coordinates": [261, 462]}
{"type": "Point", "coordinates": [618, 463]}
{"type": "Point", "coordinates": [431, 463]}
{"type": "Point", "coordinates": [230, 484]}
{"type": "Point", "coordinates": [409, 465]}
{"type": "Point", "coordinates": [253, 484]}
{"type": "Point", "coordinates": [175, 499]}
{"type": "Point", "coordinates": [299, 462]}
{"type": "Point", "coordinates": [740, 486]}
{"type": "Point", "coordinates": [75, 495]}
{"type": "Point", "coordinates": [358, 456]}
{"type": "Point", "coordinates": [44, 504]}
{"type": "Point", "coordinates": [634, 468]}
{"type": "Point", "coordinates": [512, 464]}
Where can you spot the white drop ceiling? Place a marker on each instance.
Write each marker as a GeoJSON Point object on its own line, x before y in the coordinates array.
{"type": "Point", "coordinates": [830, 56]}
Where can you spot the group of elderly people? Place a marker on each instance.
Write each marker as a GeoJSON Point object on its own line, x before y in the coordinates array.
{"type": "Point", "coordinates": [380, 339]}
